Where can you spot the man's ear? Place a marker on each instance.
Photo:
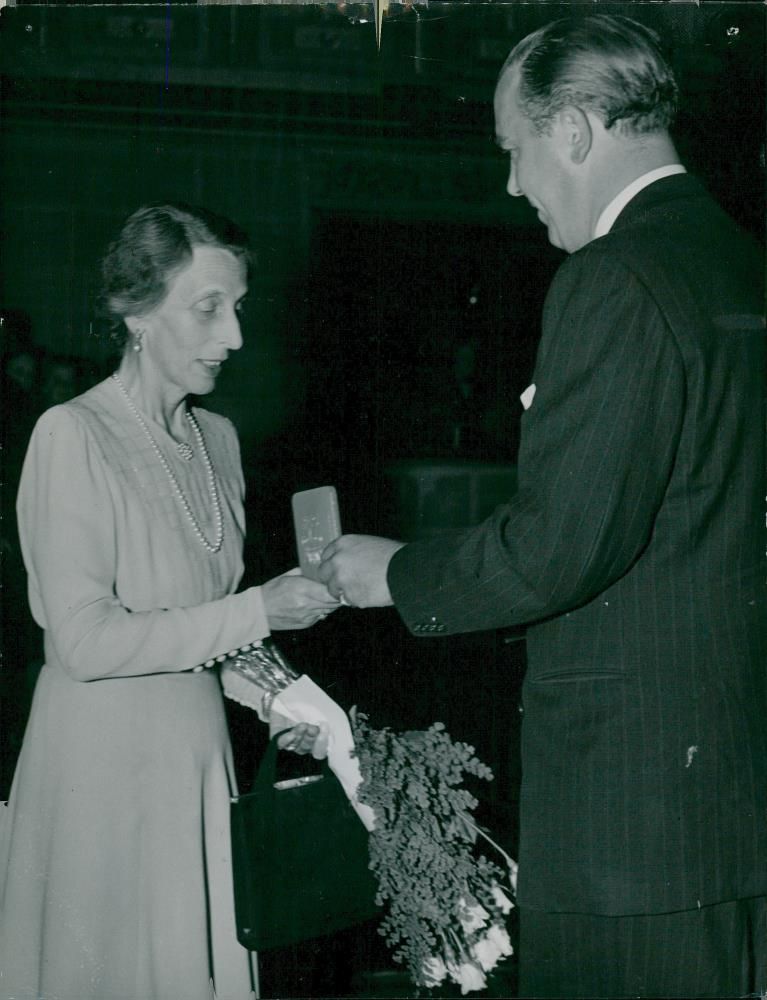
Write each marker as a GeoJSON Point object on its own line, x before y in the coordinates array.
{"type": "Point", "coordinates": [576, 132]}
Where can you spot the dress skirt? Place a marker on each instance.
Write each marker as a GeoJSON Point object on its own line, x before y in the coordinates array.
{"type": "Point", "coordinates": [118, 830]}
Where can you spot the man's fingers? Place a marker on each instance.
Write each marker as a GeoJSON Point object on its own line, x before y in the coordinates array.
{"type": "Point", "coordinates": [334, 547]}
{"type": "Point", "coordinates": [330, 550]}
{"type": "Point", "coordinates": [328, 574]}
{"type": "Point", "coordinates": [341, 544]}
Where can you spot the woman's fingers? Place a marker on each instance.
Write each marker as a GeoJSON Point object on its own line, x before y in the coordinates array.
{"type": "Point", "coordinates": [302, 739]}
{"type": "Point", "coordinates": [293, 602]}
{"type": "Point", "coordinates": [320, 747]}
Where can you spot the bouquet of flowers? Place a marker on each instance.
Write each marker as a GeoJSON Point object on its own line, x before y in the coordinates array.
{"type": "Point", "coordinates": [445, 903]}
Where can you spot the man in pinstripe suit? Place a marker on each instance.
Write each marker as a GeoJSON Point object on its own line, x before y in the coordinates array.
{"type": "Point", "coordinates": [633, 548]}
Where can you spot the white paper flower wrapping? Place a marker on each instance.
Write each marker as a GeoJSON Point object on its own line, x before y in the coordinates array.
{"type": "Point", "coordinates": [304, 701]}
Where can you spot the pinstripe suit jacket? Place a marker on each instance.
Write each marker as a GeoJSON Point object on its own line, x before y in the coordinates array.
{"type": "Point", "coordinates": [634, 549]}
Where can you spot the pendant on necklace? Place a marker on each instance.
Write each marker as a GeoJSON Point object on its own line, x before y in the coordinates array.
{"type": "Point", "coordinates": [185, 451]}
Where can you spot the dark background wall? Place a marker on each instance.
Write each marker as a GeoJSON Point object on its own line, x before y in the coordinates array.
{"type": "Point", "coordinates": [285, 116]}
{"type": "Point", "coordinates": [368, 180]}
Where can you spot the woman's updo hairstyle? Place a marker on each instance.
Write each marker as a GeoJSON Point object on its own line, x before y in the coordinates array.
{"type": "Point", "coordinates": [154, 243]}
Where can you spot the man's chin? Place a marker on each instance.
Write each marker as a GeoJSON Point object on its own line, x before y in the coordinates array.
{"type": "Point", "coordinates": [555, 239]}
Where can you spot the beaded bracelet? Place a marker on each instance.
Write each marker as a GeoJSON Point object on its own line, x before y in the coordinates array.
{"type": "Point", "coordinates": [262, 664]}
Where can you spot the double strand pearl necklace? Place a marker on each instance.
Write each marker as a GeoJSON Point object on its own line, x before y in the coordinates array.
{"type": "Point", "coordinates": [214, 546]}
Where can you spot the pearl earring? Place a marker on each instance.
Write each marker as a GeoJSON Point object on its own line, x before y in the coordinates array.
{"type": "Point", "coordinates": [137, 344]}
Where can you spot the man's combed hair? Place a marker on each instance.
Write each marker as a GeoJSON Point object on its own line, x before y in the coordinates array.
{"type": "Point", "coordinates": [611, 66]}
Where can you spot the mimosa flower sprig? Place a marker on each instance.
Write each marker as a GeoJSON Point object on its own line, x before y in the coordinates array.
{"type": "Point", "coordinates": [445, 903]}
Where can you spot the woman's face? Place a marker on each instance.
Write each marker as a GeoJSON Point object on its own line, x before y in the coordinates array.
{"type": "Point", "coordinates": [189, 335]}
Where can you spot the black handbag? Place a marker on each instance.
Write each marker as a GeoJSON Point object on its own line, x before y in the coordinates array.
{"type": "Point", "coordinates": [300, 858]}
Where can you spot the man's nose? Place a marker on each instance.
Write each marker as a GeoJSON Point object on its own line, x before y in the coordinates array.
{"type": "Point", "coordinates": [512, 186]}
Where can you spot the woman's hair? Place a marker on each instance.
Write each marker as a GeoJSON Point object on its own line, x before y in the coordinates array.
{"type": "Point", "coordinates": [153, 244]}
{"type": "Point", "coordinates": [607, 64]}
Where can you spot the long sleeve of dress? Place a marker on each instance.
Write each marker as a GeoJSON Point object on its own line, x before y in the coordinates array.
{"type": "Point", "coordinates": [75, 533]}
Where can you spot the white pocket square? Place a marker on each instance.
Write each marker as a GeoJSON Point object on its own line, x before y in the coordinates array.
{"type": "Point", "coordinates": [527, 396]}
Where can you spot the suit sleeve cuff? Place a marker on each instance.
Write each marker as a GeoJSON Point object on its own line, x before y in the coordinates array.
{"type": "Point", "coordinates": [408, 596]}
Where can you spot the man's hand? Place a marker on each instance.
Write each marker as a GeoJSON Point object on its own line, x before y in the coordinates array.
{"type": "Point", "coordinates": [353, 568]}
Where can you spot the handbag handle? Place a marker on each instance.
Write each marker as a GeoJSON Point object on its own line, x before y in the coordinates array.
{"type": "Point", "coordinates": [267, 769]}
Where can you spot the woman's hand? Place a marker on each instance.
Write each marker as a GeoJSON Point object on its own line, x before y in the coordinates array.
{"type": "Point", "coordinates": [303, 738]}
{"type": "Point", "coordinates": [293, 601]}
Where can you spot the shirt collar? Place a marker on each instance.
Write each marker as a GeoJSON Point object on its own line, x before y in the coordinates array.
{"type": "Point", "coordinates": [619, 202]}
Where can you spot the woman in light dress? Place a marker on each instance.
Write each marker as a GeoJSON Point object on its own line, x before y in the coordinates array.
{"type": "Point", "coordinates": [115, 867]}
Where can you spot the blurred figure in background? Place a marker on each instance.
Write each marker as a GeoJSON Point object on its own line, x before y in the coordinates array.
{"type": "Point", "coordinates": [60, 379]}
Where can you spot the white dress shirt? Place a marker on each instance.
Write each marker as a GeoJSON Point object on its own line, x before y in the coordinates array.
{"type": "Point", "coordinates": [619, 202]}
